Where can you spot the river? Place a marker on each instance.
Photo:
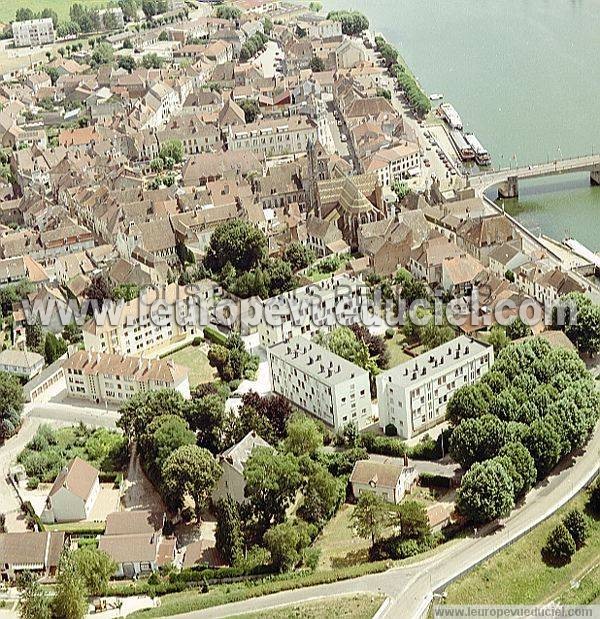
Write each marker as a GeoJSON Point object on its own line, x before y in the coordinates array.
{"type": "Point", "coordinates": [525, 77]}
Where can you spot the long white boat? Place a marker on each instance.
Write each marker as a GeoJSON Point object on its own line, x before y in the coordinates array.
{"type": "Point", "coordinates": [482, 157]}
{"type": "Point", "coordinates": [463, 148]}
{"type": "Point", "coordinates": [451, 116]}
{"type": "Point", "coordinates": [436, 96]}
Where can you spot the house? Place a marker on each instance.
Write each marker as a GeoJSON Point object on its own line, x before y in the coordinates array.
{"type": "Point", "coordinates": [388, 479]}
{"type": "Point", "coordinates": [73, 493]}
{"type": "Point", "coordinates": [134, 541]}
{"type": "Point", "coordinates": [232, 483]}
{"type": "Point", "coordinates": [36, 552]}
{"type": "Point", "coordinates": [202, 553]}
{"type": "Point", "coordinates": [23, 363]}
{"type": "Point", "coordinates": [349, 54]}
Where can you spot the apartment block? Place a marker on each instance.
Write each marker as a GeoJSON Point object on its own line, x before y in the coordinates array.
{"type": "Point", "coordinates": [110, 378]}
{"type": "Point", "coordinates": [312, 309]}
{"type": "Point", "coordinates": [157, 318]}
{"type": "Point", "coordinates": [413, 395]}
{"type": "Point", "coordinates": [313, 378]}
{"type": "Point", "coordinates": [273, 137]}
{"type": "Point", "coordinates": [33, 32]}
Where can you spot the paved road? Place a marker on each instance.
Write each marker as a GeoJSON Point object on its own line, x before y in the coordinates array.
{"type": "Point", "coordinates": [411, 588]}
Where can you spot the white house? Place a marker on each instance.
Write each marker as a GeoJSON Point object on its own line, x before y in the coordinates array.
{"type": "Point", "coordinates": [73, 493]}
{"type": "Point", "coordinates": [23, 363]}
{"type": "Point", "coordinates": [31, 551]}
{"type": "Point", "coordinates": [389, 480]}
{"type": "Point", "coordinates": [233, 461]}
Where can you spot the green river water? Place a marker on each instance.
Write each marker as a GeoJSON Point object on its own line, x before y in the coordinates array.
{"type": "Point", "coordinates": [525, 77]}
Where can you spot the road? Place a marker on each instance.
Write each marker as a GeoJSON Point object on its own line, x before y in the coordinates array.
{"type": "Point", "coordinates": [411, 587]}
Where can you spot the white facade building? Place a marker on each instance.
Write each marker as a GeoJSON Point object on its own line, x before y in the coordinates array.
{"type": "Point", "coordinates": [33, 32]}
{"type": "Point", "coordinates": [22, 363]}
{"type": "Point", "coordinates": [413, 395]}
{"type": "Point", "coordinates": [389, 480]}
{"type": "Point", "coordinates": [322, 383]}
{"type": "Point", "coordinates": [311, 309]}
{"type": "Point", "coordinates": [102, 377]}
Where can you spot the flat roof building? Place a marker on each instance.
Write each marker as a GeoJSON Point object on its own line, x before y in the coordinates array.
{"type": "Point", "coordinates": [413, 395]}
{"type": "Point", "coordinates": [33, 32]}
{"type": "Point", "coordinates": [322, 383]}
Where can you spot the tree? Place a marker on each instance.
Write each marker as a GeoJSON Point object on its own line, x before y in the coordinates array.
{"type": "Point", "coordinates": [162, 436]}
{"type": "Point", "coordinates": [303, 436]}
{"type": "Point", "coordinates": [517, 329]}
{"type": "Point", "coordinates": [544, 445]}
{"type": "Point", "coordinates": [323, 494]}
{"type": "Point", "coordinates": [343, 342]}
{"type": "Point", "coordinates": [298, 255]}
{"type": "Point", "coordinates": [353, 22]}
{"type": "Point", "coordinates": [469, 401]}
{"type": "Point", "coordinates": [137, 413]}
{"type": "Point", "coordinates": [266, 415]}
{"type": "Point", "coordinates": [99, 290]}
{"type": "Point", "coordinates": [522, 467]}
{"type": "Point", "coordinates": [238, 242]}
{"type": "Point", "coordinates": [411, 289]}
{"type": "Point", "coordinates": [152, 61]}
{"type": "Point", "coordinates": [34, 336]}
{"type": "Point", "coordinates": [560, 545]}
{"type": "Point", "coordinates": [190, 470]}
{"type": "Point", "coordinates": [128, 63]}
{"type": "Point", "coordinates": [370, 516]}
{"type": "Point", "coordinates": [70, 601]}
{"type": "Point", "coordinates": [172, 149]}
{"type": "Point", "coordinates": [286, 542]}
{"type": "Point", "coordinates": [251, 109]}
{"type": "Point", "coordinates": [594, 499]}
{"type": "Point", "coordinates": [95, 567]}
{"type": "Point", "coordinates": [34, 603]}
{"type": "Point", "coordinates": [498, 338]}
{"type": "Point", "coordinates": [272, 480]}
{"type": "Point", "coordinates": [267, 25]}
{"type": "Point", "coordinates": [11, 405]}
{"type": "Point", "coordinates": [376, 344]}
{"type": "Point", "coordinates": [103, 54]}
{"type": "Point", "coordinates": [486, 492]}
{"type": "Point", "coordinates": [228, 533]}
{"type": "Point", "coordinates": [53, 348]}
{"type": "Point", "coordinates": [226, 11]}
{"type": "Point", "coordinates": [411, 519]}
{"type": "Point", "coordinates": [206, 417]}
{"type": "Point", "coordinates": [72, 333]}
{"type": "Point", "coordinates": [2, 523]}
{"type": "Point", "coordinates": [576, 524]}
{"type": "Point", "coordinates": [401, 189]}
{"type": "Point", "coordinates": [24, 14]}
{"type": "Point", "coordinates": [317, 65]}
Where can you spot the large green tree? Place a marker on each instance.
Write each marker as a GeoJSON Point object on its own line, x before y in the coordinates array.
{"type": "Point", "coordinates": [70, 600]}
{"type": "Point", "coordinates": [34, 602]}
{"type": "Point", "coordinates": [303, 435]}
{"type": "Point", "coordinates": [137, 413]}
{"type": "Point", "coordinates": [469, 401]}
{"type": "Point", "coordinates": [190, 470]}
{"type": "Point", "coordinates": [11, 405]}
{"type": "Point", "coordinates": [272, 481]}
{"type": "Point", "coordinates": [286, 542]}
{"type": "Point", "coordinates": [411, 519]}
{"type": "Point", "coordinates": [520, 466]}
{"type": "Point", "coordinates": [95, 567]}
{"type": "Point", "coordinates": [486, 492]}
{"type": "Point", "coordinates": [228, 533]}
{"type": "Point", "coordinates": [323, 494]}
{"type": "Point", "coordinates": [560, 545]}
{"type": "Point", "coordinates": [238, 243]}
{"type": "Point", "coordinates": [370, 516]}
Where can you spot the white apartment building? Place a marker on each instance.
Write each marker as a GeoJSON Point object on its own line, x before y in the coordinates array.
{"type": "Point", "coordinates": [153, 320]}
{"type": "Point", "coordinates": [324, 29]}
{"type": "Point", "coordinates": [311, 309]}
{"type": "Point", "coordinates": [413, 395]}
{"type": "Point", "coordinates": [102, 377]}
{"type": "Point", "coordinates": [273, 137]}
{"type": "Point", "coordinates": [396, 163]}
{"type": "Point", "coordinates": [322, 383]}
{"type": "Point", "coordinates": [33, 32]}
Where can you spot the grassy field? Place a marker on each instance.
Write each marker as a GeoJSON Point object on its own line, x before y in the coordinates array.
{"type": "Point", "coordinates": [338, 543]}
{"type": "Point", "coordinates": [518, 575]}
{"type": "Point", "coordinates": [346, 607]}
{"type": "Point", "coordinates": [395, 346]}
{"type": "Point", "coordinates": [196, 361]}
{"type": "Point", "coordinates": [8, 9]}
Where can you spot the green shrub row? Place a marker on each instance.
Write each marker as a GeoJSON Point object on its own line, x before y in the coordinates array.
{"type": "Point", "coordinates": [214, 336]}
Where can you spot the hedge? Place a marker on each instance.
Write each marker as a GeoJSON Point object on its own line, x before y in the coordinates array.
{"type": "Point", "coordinates": [431, 480]}
{"type": "Point", "coordinates": [383, 445]}
{"type": "Point", "coordinates": [201, 573]}
{"type": "Point", "coordinates": [214, 336]}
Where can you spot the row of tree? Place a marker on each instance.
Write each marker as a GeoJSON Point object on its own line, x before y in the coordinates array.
{"type": "Point", "coordinates": [534, 407]}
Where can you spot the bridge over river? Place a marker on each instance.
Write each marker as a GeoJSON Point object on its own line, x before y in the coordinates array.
{"type": "Point", "coordinates": [507, 179]}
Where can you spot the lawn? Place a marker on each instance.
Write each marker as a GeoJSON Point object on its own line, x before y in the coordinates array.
{"type": "Point", "coordinates": [348, 607]}
{"type": "Point", "coordinates": [339, 544]}
{"type": "Point", "coordinates": [8, 9]}
{"type": "Point", "coordinates": [74, 527]}
{"type": "Point", "coordinates": [196, 361]}
{"type": "Point", "coordinates": [518, 575]}
{"type": "Point", "coordinates": [396, 349]}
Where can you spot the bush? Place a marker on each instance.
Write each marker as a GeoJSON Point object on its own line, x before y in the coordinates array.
{"type": "Point", "coordinates": [389, 333]}
{"type": "Point", "coordinates": [197, 341]}
{"type": "Point", "coordinates": [431, 480]}
{"type": "Point", "coordinates": [576, 525]}
{"type": "Point", "coordinates": [33, 483]}
{"type": "Point", "coordinates": [594, 500]}
{"type": "Point", "coordinates": [214, 336]}
{"type": "Point", "coordinates": [383, 445]}
{"type": "Point", "coordinates": [560, 546]}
